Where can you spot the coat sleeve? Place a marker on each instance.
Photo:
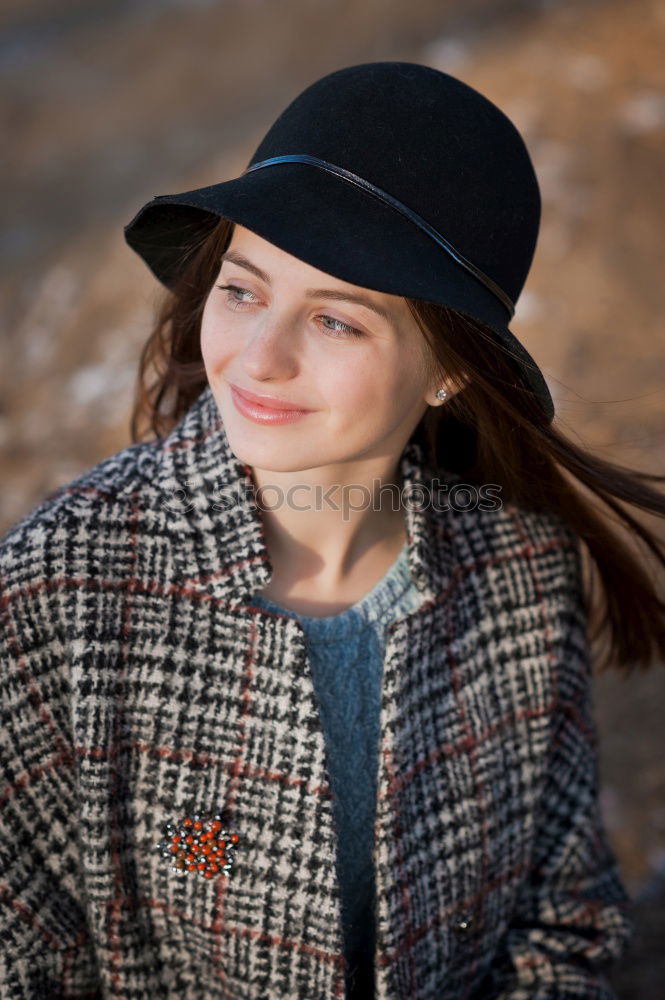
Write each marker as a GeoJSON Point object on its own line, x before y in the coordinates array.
{"type": "Point", "coordinates": [46, 950]}
{"type": "Point", "coordinates": [573, 916]}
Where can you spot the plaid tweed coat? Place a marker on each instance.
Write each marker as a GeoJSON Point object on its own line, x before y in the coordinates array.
{"type": "Point", "coordinates": [139, 690]}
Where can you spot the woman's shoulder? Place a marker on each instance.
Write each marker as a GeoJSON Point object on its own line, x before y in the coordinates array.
{"type": "Point", "coordinates": [543, 539]}
{"type": "Point", "coordinates": [524, 554]}
{"type": "Point", "coordinates": [492, 527]}
{"type": "Point", "coordinates": [84, 503]}
{"type": "Point", "coordinates": [542, 551]}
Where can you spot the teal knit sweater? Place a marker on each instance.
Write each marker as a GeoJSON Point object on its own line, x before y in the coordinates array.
{"type": "Point", "coordinates": [346, 653]}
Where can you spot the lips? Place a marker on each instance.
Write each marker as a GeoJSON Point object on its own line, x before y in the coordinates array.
{"type": "Point", "coordinates": [267, 415]}
{"type": "Point", "coordinates": [269, 402]}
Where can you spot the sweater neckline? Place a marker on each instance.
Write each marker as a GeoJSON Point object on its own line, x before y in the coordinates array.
{"type": "Point", "coordinates": [373, 606]}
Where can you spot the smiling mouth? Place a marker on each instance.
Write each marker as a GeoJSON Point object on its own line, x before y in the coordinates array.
{"type": "Point", "coordinates": [268, 402]}
{"type": "Point", "coordinates": [261, 413]}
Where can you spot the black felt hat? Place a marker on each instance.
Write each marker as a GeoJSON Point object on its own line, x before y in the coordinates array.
{"type": "Point", "coordinates": [390, 175]}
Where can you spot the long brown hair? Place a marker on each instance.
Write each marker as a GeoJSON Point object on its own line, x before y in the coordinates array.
{"type": "Point", "coordinates": [491, 430]}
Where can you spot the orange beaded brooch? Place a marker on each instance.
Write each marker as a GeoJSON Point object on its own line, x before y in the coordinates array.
{"type": "Point", "coordinates": [199, 844]}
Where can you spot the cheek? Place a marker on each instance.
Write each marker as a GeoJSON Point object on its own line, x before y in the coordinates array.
{"type": "Point", "coordinates": [355, 386]}
{"type": "Point", "coordinates": [387, 392]}
{"type": "Point", "coordinates": [360, 391]}
{"type": "Point", "coordinates": [216, 340]}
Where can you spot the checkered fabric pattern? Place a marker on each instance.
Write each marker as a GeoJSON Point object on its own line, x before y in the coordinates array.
{"type": "Point", "coordinates": [139, 690]}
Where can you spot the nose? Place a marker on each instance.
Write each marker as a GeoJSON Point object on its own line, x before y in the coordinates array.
{"type": "Point", "coordinates": [270, 351]}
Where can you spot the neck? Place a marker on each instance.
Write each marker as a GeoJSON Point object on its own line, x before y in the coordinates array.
{"type": "Point", "coordinates": [309, 540]}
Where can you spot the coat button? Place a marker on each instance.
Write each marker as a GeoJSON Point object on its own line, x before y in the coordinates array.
{"type": "Point", "coordinates": [465, 923]}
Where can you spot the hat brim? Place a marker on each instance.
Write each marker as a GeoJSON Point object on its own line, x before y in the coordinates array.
{"type": "Point", "coordinates": [328, 223]}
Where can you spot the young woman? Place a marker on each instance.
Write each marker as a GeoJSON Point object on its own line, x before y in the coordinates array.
{"type": "Point", "coordinates": [297, 692]}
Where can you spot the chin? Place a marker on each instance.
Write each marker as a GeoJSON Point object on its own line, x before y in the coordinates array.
{"type": "Point", "coordinates": [271, 455]}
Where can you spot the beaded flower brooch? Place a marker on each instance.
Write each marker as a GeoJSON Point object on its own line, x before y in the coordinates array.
{"type": "Point", "coordinates": [200, 843]}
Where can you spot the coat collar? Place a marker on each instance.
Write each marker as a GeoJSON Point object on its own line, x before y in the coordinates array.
{"type": "Point", "coordinates": [219, 544]}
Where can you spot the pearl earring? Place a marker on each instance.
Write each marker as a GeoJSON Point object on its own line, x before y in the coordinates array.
{"type": "Point", "coordinates": [441, 394]}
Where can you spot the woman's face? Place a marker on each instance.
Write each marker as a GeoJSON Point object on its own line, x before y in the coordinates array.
{"type": "Point", "coordinates": [365, 388]}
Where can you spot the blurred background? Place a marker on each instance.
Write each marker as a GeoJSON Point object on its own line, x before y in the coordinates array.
{"type": "Point", "coordinates": [108, 103]}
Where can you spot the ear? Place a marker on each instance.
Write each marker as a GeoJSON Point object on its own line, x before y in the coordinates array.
{"type": "Point", "coordinates": [431, 397]}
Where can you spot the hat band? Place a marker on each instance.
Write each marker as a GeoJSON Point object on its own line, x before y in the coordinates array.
{"type": "Point", "coordinates": [399, 206]}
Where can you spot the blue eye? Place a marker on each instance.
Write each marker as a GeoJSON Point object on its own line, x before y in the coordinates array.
{"type": "Point", "coordinates": [343, 326]}
{"type": "Point", "coordinates": [236, 303]}
{"type": "Point", "coordinates": [234, 288]}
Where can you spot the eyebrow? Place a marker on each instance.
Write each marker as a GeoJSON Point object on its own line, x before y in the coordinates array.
{"type": "Point", "coordinates": [235, 257]}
